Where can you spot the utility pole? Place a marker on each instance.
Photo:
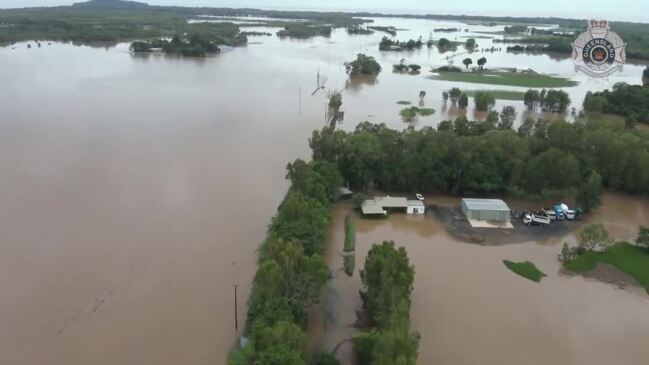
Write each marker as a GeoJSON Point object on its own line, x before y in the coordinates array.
{"type": "Point", "coordinates": [235, 285]}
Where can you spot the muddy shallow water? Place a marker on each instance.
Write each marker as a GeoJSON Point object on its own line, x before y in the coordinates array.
{"type": "Point", "coordinates": [130, 184]}
{"type": "Point", "coordinates": [470, 309]}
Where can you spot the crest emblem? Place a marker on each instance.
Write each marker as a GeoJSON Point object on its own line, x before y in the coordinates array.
{"type": "Point", "coordinates": [599, 51]}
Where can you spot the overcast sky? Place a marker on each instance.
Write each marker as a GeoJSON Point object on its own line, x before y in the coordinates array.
{"type": "Point", "coordinates": [635, 10]}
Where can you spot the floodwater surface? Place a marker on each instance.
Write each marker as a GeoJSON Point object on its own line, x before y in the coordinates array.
{"type": "Point", "coordinates": [131, 184]}
{"type": "Point", "coordinates": [470, 309]}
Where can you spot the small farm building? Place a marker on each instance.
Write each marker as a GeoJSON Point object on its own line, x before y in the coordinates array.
{"type": "Point", "coordinates": [486, 210]}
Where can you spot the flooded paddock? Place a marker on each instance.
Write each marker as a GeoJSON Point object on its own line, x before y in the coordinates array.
{"type": "Point", "coordinates": [470, 309]}
{"type": "Point", "coordinates": [130, 184]}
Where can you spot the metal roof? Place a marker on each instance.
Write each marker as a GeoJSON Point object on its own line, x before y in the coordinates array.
{"type": "Point", "coordinates": [370, 207]}
{"type": "Point", "coordinates": [485, 204]}
{"type": "Point", "coordinates": [391, 201]}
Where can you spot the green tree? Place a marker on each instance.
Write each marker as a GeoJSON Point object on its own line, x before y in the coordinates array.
{"type": "Point", "coordinates": [484, 100]}
{"type": "Point", "coordinates": [454, 95]}
{"type": "Point", "coordinates": [481, 62]}
{"type": "Point", "coordinates": [507, 117]}
{"type": "Point", "coordinates": [387, 279]}
{"type": "Point", "coordinates": [594, 104]}
{"type": "Point", "coordinates": [594, 237]}
{"type": "Point", "coordinates": [532, 99]}
{"type": "Point", "coordinates": [467, 62]}
{"type": "Point", "coordinates": [589, 192]}
{"type": "Point", "coordinates": [463, 101]}
{"type": "Point", "coordinates": [443, 43]}
{"type": "Point", "coordinates": [444, 96]}
{"type": "Point", "coordinates": [470, 43]}
{"type": "Point", "coordinates": [363, 65]}
{"type": "Point", "coordinates": [643, 237]}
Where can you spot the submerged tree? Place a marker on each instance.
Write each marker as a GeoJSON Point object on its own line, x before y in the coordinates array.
{"type": "Point", "coordinates": [484, 100]}
{"type": "Point", "coordinates": [463, 101]}
{"type": "Point", "coordinates": [481, 62]}
{"type": "Point", "coordinates": [507, 118]}
{"type": "Point", "coordinates": [363, 65]}
{"type": "Point", "coordinates": [594, 237]}
{"type": "Point", "coordinates": [643, 237]}
{"type": "Point", "coordinates": [467, 62]}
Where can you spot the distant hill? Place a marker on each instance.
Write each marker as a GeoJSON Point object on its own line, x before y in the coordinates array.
{"type": "Point", "coordinates": [111, 4]}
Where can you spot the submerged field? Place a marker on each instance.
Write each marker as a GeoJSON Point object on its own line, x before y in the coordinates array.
{"type": "Point", "coordinates": [505, 78]}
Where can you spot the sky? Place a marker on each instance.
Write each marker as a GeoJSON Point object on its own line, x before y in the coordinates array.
{"type": "Point", "coordinates": [632, 10]}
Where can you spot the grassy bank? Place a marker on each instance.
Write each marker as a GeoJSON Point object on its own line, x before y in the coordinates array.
{"type": "Point", "coordinates": [505, 78]}
{"type": "Point", "coordinates": [349, 260]}
{"type": "Point", "coordinates": [349, 263]}
{"type": "Point", "coordinates": [500, 94]}
{"type": "Point", "coordinates": [625, 257]}
{"type": "Point", "coordinates": [525, 269]}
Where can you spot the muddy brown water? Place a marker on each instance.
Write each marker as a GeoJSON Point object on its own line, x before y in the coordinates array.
{"type": "Point", "coordinates": [470, 309]}
{"type": "Point", "coordinates": [131, 184]}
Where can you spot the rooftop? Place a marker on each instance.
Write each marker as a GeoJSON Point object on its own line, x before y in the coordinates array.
{"type": "Point", "coordinates": [486, 204]}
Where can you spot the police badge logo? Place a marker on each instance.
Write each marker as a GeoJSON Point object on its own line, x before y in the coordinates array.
{"type": "Point", "coordinates": [599, 52]}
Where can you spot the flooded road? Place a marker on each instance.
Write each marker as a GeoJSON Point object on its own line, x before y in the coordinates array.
{"type": "Point", "coordinates": [131, 184]}
{"type": "Point", "coordinates": [470, 309]}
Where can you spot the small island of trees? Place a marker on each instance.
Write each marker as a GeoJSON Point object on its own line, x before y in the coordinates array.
{"type": "Point", "coordinates": [195, 45]}
{"type": "Point", "coordinates": [363, 65]}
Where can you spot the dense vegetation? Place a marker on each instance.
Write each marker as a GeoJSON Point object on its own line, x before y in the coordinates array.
{"type": "Point", "coordinates": [363, 65]}
{"type": "Point", "coordinates": [541, 160]}
{"type": "Point", "coordinates": [291, 270]}
{"type": "Point", "coordinates": [390, 30]}
{"type": "Point", "coordinates": [525, 269]}
{"type": "Point", "coordinates": [116, 20]}
{"type": "Point", "coordinates": [109, 21]}
{"type": "Point", "coordinates": [194, 46]}
{"type": "Point", "coordinates": [388, 44]}
{"type": "Point", "coordinates": [631, 101]}
{"type": "Point", "coordinates": [304, 31]}
{"type": "Point", "coordinates": [387, 279]}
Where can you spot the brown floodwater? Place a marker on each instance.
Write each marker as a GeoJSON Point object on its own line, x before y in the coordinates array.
{"type": "Point", "coordinates": [470, 309]}
{"type": "Point", "coordinates": [131, 184]}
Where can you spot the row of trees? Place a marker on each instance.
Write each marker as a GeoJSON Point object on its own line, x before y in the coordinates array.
{"type": "Point", "coordinates": [553, 100]}
{"type": "Point", "coordinates": [484, 100]}
{"type": "Point", "coordinates": [291, 270]}
{"type": "Point", "coordinates": [195, 45]}
{"type": "Point", "coordinates": [388, 44]}
{"type": "Point", "coordinates": [542, 159]}
{"type": "Point", "coordinates": [481, 62]}
{"type": "Point", "coordinates": [387, 279]}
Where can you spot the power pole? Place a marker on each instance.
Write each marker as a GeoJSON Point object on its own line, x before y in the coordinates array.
{"type": "Point", "coordinates": [236, 306]}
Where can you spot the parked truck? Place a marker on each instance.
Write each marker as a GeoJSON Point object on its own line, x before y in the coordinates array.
{"type": "Point", "coordinates": [536, 218]}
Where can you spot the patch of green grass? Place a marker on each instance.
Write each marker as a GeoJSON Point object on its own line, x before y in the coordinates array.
{"type": "Point", "coordinates": [506, 78]}
{"type": "Point", "coordinates": [403, 102]}
{"type": "Point", "coordinates": [628, 258]}
{"type": "Point", "coordinates": [525, 269]}
{"type": "Point", "coordinates": [349, 262]}
{"type": "Point", "coordinates": [350, 234]}
{"type": "Point", "coordinates": [500, 94]}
